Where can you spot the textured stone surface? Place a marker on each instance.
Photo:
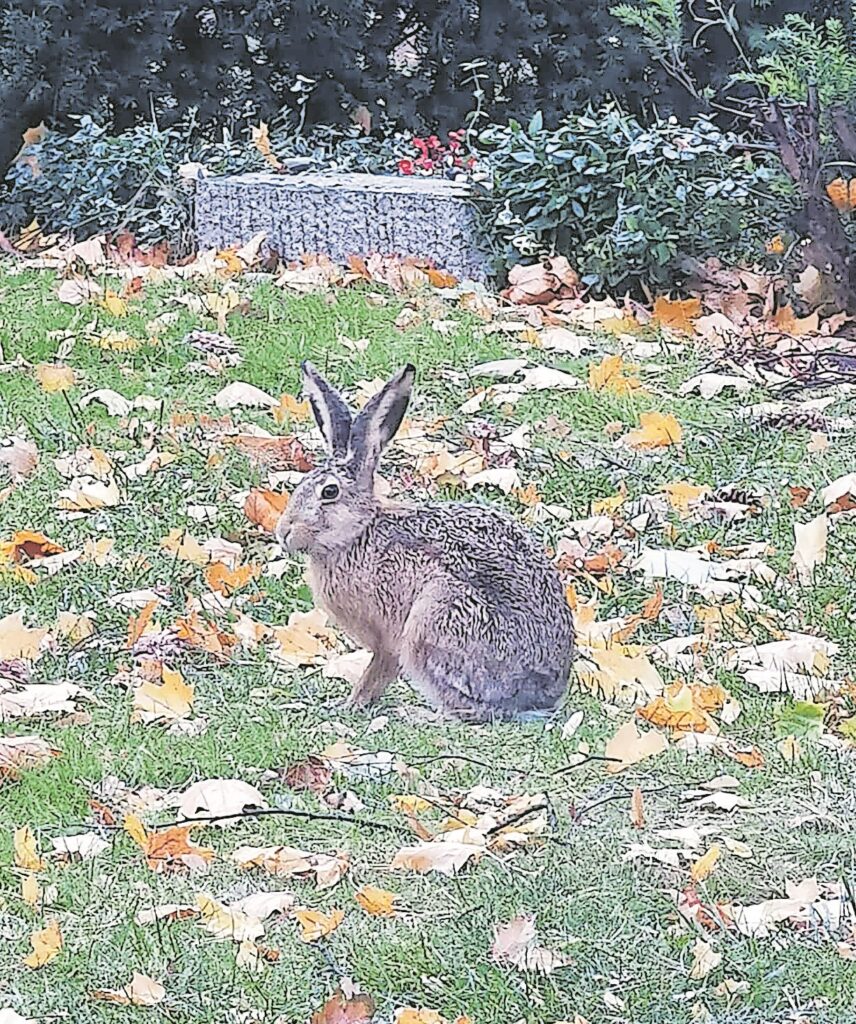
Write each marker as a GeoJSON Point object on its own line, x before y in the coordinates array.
{"type": "Point", "coordinates": [343, 215]}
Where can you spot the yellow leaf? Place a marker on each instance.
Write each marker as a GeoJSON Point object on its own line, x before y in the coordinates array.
{"type": "Point", "coordinates": [677, 313]}
{"type": "Point", "coordinates": [114, 303]}
{"type": "Point", "coordinates": [609, 506]}
{"type": "Point", "coordinates": [608, 375]}
{"type": "Point", "coordinates": [655, 430]}
{"type": "Point", "coordinates": [26, 852]}
{"type": "Point", "coordinates": [315, 924]}
{"type": "Point", "coordinates": [702, 868]}
{"type": "Point", "coordinates": [790, 748]}
{"type": "Point", "coordinates": [180, 543]}
{"type": "Point", "coordinates": [46, 945]}
{"type": "Point", "coordinates": [54, 377]}
{"type": "Point", "coordinates": [226, 581]}
{"type": "Point", "coordinates": [261, 140]}
{"type": "Point", "coordinates": [31, 891]}
{"type": "Point", "coordinates": [408, 803]}
{"type": "Point", "coordinates": [378, 902]}
{"type": "Point", "coordinates": [229, 257]}
{"type": "Point", "coordinates": [842, 194]}
{"type": "Point", "coordinates": [290, 410]}
{"type": "Point", "coordinates": [775, 246]}
{"type": "Point", "coordinates": [628, 746]}
{"type": "Point", "coordinates": [167, 701]}
{"type": "Point", "coordinates": [136, 830]}
{"type": "Point", "coordinates": [681, 493]}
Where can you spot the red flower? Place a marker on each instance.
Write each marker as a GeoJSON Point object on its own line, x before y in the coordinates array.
{"type": "Point", "coordinates": [433, 141]}
{"type": "Point", "coordinates": [425, 163]}
{"type": "Point", "coordinates": [405, 167]}
{"type": "Point", "coordinates": [420, 145]}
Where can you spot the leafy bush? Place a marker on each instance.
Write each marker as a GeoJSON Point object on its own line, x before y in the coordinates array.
{"type": "Point", "coordinates": [92, 181]}
{"type": "Point", "coordinates": [624, 202]}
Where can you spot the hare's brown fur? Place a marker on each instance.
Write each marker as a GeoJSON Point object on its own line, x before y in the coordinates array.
{"type": "Point", "coordinates": [458, 598]}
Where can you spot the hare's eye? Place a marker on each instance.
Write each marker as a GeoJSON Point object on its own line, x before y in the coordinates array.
{"type": "Point", "coordinates": [329, 492]}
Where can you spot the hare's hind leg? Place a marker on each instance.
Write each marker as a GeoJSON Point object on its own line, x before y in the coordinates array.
{"type": "Point", "coordinates": [380, 672]}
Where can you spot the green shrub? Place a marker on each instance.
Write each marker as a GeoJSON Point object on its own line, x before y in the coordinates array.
{"type": "Point", "coordinates": [625, 202]}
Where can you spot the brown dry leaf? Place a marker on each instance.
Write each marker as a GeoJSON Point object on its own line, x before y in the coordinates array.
{"type": "Point", "coordinates": [17, 752]}
{"type": "Point", "coordinates": [140, 991]}
{"type": "Point", "coordinates": [702, 868]}
{"type": "Point", "coordinates": [264, 508]}
{"type": "Point", "coordinates": [609, 375]}
{"type": "Point", "coordinates": [677, 313]}
{"type": "Point", "coordinates": [653, 606]}
{"type": "Point", "coordinates": [226, 581]}
{"type": "Point", "coordinates": [515, 943]}
{"type": "Point", "coordinates": [26, 545]}
{"type": "Point", "coordinates": [799, 496]}
{"type": "Point", "coordinates": [315, 924]}
{"type": "Point", "coordinates": [288, 861]}
{"type": "Point", "coordinates": [314, 773]}
{"type": "Point", "coordinates": [46, 943]}
{"type": "Point", "coordinates": [54, 378]}
{"type": "Point", "coordinates": [377, 902]}
{"type": "Point", "coordinates": [785, 320]}
{"type": "Point", "coordinates": [637, 808]}
{"type": "Point", "coordinates": [25, 850]}
{"type": "Point", "coordinates": [20, 457]}
{"type": "Point", "coordinates": [18, 640]}
{"type": "Point", "coordinates": [166, 912]}
{"type": "Point", "coordinates": [275, 453]}
{"type": "Point", "coordinates": [542, 283]}
{"type": "Point", "coordinates": [629, 746]}
{"type": "Point", "coordinates": [169, 700]}
{"type": "Point", "coordinates": [182, 545]}
{"type": "Point", "coordinates": [655, 430]}
{"type": "Point", "coordinates": [342, 1009]}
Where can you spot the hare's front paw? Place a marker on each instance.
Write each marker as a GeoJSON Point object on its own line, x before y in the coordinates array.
{"type": "Point", "coordinates": [359, 699]}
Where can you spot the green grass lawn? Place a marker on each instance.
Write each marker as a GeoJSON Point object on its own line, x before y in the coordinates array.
{"type": "Point", "coordinates": [617, 919]}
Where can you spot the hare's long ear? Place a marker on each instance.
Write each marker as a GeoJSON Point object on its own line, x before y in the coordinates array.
{"type": "Point", "coordinates": [376, 425]}
{"type": "Point", "coordinates": [331, 414]}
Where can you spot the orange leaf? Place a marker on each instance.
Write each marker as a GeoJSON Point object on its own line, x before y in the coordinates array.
{"type": "Point", "coordinates": [171, 850]}
{"type": "Point", "coordinates": [785, 320]}
{"type": "Point", "coordinates": [841, 194]}
{"type": "Point", "coordinates": [264, 508]}
{"type": "Point", "coordinates": [226, 581]}
{"type": "Point", "coordinates": [378, 902]}
{"type": "Point", "coordinates": [608, 375]}
{"type": "Point", "coordinates": [751, 758]}
{"type": "Point", "coordinates": [25, 544]}
{"type": "Point", "coordinates": [637, 809]}
{"type": "Point", "coordinates": [653, 606]}
{"type": "Point", "coordinates": [137, 623]}
{"type": "Point", "coordinates": [702, 868]}
{"type": "Point", "coordinates": [799, 496]}
{"type": "Point", "coordinates": [315, 924]}
{"type": "Point", "coordinates": [677, 313]}
{"type": "Point", "coordinates": [775, 246]}
{"type": "Point", "coordinates": [205, 635]}
{"type": "Point", "coordinates": [684, 708]}
{"type": "Point", "coordinates": [290, 409]}
{"type": "Point", "coordinates": [440, 278]}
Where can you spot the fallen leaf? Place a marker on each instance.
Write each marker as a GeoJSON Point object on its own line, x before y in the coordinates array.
{"type": "Point", "coordinates": [264, 508]}
{"type": "Point", "coordinates": [18, 752]}
{"type": "Point", "coordinates": [26, 851]}
{"type": "Point", "coordinates": [20, 457]}
{"type": "Point", "coordinates": [677, 313]}
{"type": "Point", "coordinates": [810, 547]}
{"type": "Point", "coordinates": [167, 850]}
{"type": "Point", "coordinates": [376, 902]}
{"type": "Point", "coordinates": [681, 494]}
{"type": "Point", "coordinates": [288, 861]}
{"type": "Point", "coordinates": [515, 943]}
{"type": "Point", "coordinates": [46, 943]}
{"type": "Point", "coordinates": [168, 700]}
{"type": "Point", "coordinates": [261, 140]}
{"type": "Point", "coordinates": [609, 375]}
{"type": "Point", "coordinates": [182, 545]}
{"type": "Point", "coordinates": [629, 746]}
{"type": "Point", "coordinates": [226, 581]}
{"type": "Point", "coordinates": [18, 640]}
{"type": "Point", "coordinates": [83, 846]}
{"type": "Point", "coordinates": [227, 922]}
{"type": "Point", "coordinates": [705, 960]}
{"type": "Point", "coordinates": [637, 809]}
{"type": "Point", "coordinates": [315, 924]}
{"type": "Point", "coordinates": [655, 430]}
{"type": "Point", "coordinates": [31, 893]}
{"type": "Point", "coordinates": [239, 394]}
{"type": "Point", "coordinates": [140, 991]}
{"type": "Point", "coordinates": [54, 378]}
{"type": "Point", "coordinates": [166, 912]}
{"type": "Point", "coordinates": [702, 868]}
{"type": "Point", "coordinates": [225, 799]}
{"type": "Point", "coordinates": [341, 1009]}
{"type": "Point", "coordinates": [447, 858]}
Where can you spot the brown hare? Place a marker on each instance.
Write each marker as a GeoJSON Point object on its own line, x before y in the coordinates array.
{"type": "Point", "coordinates": [457, 598]}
